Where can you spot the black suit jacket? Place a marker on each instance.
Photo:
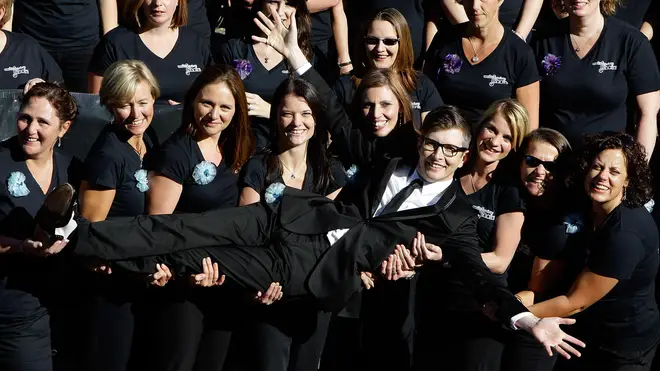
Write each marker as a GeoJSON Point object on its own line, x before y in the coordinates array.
{"type": "Point", "coordinates": [450, 223]}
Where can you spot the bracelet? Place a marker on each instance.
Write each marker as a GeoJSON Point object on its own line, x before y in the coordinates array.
{"type": "Point", "coordinates": [344, 64]}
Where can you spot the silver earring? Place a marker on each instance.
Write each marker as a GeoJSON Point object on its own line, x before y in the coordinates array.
{"type": "Point", "coordinates": [59, 141]}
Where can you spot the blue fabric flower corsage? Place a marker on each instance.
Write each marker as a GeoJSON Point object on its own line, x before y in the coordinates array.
{"type": "Point", "coordinates": [16, 184]}
{"type": "Point", "coordinates": [274, 192]}
{"type": "Point", "coordinates": [243, 67]}
{"type": "Point", "coordinates": [351, 172]}
{"type": "Point", "coordinates": [142, 180]}
{"type": "Point", "coordinates": [573, 223]}
{"type": "Point", "coordinates": [204, 172]}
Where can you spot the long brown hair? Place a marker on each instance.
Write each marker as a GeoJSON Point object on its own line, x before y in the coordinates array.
{"type": "Point", "coordinates": [384, 77]}
{"type": "Point", "coordinates": [236, 141]}
{"type": "Point", "coordinates": [405, 58]}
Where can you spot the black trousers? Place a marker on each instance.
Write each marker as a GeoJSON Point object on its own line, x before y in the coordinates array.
{"type": "Point", "coordinates": [597, 358]}
{"type": "Point", "coordinates": [25, 343]}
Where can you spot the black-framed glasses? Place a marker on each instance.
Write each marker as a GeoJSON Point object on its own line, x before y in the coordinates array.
{"type": "Point", "coordinates": [388, 41]}
{"type": "Point", "coordinates": [532, 161]}
{"type": "Point", "coordinates": [448, 150]}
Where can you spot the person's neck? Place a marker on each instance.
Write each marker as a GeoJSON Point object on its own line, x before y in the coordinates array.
{"type": "Point", "coordinates": [492, 32]}
{"type": "Point", "coordinates": [208, 141]}
{"type": "Point", "coordinates": [600, 211]}
{"type": "Point", "coordinates": [294, 157]}
{"type": "Point", "coordinates": [160, 30]}
{"type": "Point", "coordinates": [136, 142]}
{"type": "Point", "coordinates": [586, 26]}
{"type": "Point", "coordinates": [484, 169]}
{"type": "Point", "coordinates": [41, 160]}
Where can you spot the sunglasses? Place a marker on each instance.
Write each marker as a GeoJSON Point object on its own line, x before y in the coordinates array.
{"type": "Point", "coordinates": [532, 161]}
{"type": "Point", "coordinates": [448, 150]}
{"type": "Point", "coordinates": [371, 40]}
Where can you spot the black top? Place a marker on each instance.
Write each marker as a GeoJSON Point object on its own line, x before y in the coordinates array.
{"type": "Point", "coordinates": [174, 73]}
{"type": "Point", "coordinates": [197, 19]}
{"type": "Point", "coordinates": [322, 29]}
{"type": "Point", "coordinates": [22, 280]}
{"type": "Point", "coordinates": [59, 25]}
{"type": "Point", "coordinates": [621, 60]}
{"type": "Point", "coordinates": [633, 12]}
{"type": "Point", "coordinates": [473, 88]}
{"type": "Point", "coordinates": [181, 160]}
{"type": "Point", "coordinates": [423, 99]}
{"type": "Point", "coordinates": [254, 172]}
{"type": "Point", "coordinates": [625, 248]}
{"type": "Point", "coordinates": [24, 59]}
{"type": "Point", "coordinates": [113, 164]}
{"type": "Point", "coordinates": [510, 11]}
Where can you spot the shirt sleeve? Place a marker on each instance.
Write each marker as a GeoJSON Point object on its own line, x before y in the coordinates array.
{"type": "Point", "coordinates": [338, 176]}
{"type": "Point", "coordinates": [509, 201]}
{"type": "Point", "coordinates": [549, 241]}
{"type": "Point", "coordinates": [51, 72]}
{"type": "Point", "coordinates": [172, 162]}
{"type": "Point", "coordinates": [253, 174]}
{"type": "Point", "coordinates": [616, 254]}
{"type": "Point", "coordinates": [527, 70]}
{"type": "Point", "coordinates": [226, 54]}
{"type": "Point", "coordinates": [429, 97]}
{"type": "Point", "coordinates": [642, 74]}
{"type": "Point", "coordinates": [103, 169]}
{"type": "Point", "coordinates": [104, 55]}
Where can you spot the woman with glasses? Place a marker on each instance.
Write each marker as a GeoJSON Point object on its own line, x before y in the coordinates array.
{"type": "Point", "coordinates": [480, 61]}
{"type": "Point", "coordinates": [500, 207]}
{"type": "Point", "coordinates": [387, 44]}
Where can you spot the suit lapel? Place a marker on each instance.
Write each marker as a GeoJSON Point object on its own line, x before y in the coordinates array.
{"type": "Point", "coordinates": [443, 203]}
{"type": "Point", "coordinates": [377, 188]}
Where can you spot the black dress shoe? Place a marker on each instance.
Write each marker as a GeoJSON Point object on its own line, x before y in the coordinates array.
{"type": "Point", "coordinates": [57, 210]}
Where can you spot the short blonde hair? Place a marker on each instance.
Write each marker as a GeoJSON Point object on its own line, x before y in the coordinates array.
{"type": "Point", "coordinates": [514, 114]}
{"type": "Point", "coordinates": [121, 80]}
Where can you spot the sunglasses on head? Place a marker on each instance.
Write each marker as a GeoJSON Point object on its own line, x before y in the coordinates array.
{"type": "Point", "coordinates": [390, 41]}
{"type": "Point", "coordinates": [532, 161]}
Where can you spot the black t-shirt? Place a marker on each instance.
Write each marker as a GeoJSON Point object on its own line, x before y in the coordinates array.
{"type": "Point", "coordinates": [633, 12]}
{"type": "Point", "coordinates": [254, 173]}
{"type": "Point", "coordinates": [59, 25]}
{"type": "Point", "coordinates": [197, 19]}
{"type": "Point", "coordinates": [322, 29]}
{"type": "Point", "coordinates": [181, 160]}
{"type": "Point", "coordinates": [580, 96]}
{"type": "Point", "coordinates": [174, 73]}
{"type": "Point", "coordinates": [113, 164]}
{"type": "Point", "coordinates": [423, 99]}
{"type": "Point", "coordinates": [23, 281]}
{"type": "Point", "coordinates": [510, 11]}
{"type": "Point", "coordinates": [24, 59]}
{"type": "Point", "coordinates": [473, 88]}
{"type": "Point", "coordinates": [625, 248]}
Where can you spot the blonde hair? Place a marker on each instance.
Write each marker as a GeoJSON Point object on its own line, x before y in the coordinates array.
{"type": "Point", "coordinates": [514, 114]}
{"type": "Point", "coordinates": [121, 81]}
{"type": "Point", "coordinates": [608, 7]}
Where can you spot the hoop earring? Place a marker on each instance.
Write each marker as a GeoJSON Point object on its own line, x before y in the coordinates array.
{"type": "Point", "coordinates": [59, 142]}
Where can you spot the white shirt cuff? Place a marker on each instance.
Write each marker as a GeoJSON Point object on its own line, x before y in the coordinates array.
{"type": "Point", "coordinates": [302, 69]}
{"type": "Point", "coordinates": [523, 321]}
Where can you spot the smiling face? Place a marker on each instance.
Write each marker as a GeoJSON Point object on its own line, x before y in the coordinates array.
{"type": "Point", "coordinates": [494, 140]}
{"type": "Point", "coordinates": [39, 127]}
{"type": "Point", "coordinates": [159, 12]}
{"type": "Point", "coordinates": [283, 10]}
{"type": "Point", "coordinates": [607, 178]}
{"type": "Point", "coordinates": [381, 110]}
{"type": "Point", "coordinates": [295, 122]}
{"type": "Point", "coordinates": [214, 108]}
{"type": "Point", "coordinates": [136, 115]}
{"type": "Point", "coordinates": [582, 8]}
{"type": "Point", "coordinates": [379, 54]}
{"type": "Point", "coordinates": [482, 12]}
{"type": "Point", "coordinates": [535, 177]}
{"type": "Point", "coordinates": [434, 165]}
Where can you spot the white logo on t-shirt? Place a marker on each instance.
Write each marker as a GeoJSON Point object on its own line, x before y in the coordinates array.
{"type": "Point", "coordinates": [416, 105]}
{"type": "Point", "coordinates": [190, 68]}
{"type": "Point", "coordinates": [605, 66]}
{"type": "Point", "coordinates": [496, 80]}
{"type": "Point", "coordinates": [15, 71]}
{"type": "Point", "coordinates": [484, 213]}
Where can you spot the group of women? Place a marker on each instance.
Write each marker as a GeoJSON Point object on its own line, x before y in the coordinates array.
{"type": "Point", "coordinates": [551, 202]}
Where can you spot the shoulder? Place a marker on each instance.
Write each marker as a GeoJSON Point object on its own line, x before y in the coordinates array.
{"type": "Point", "coordinates": [22, 39]}
{"type": "Point", "coordinates": [631, 220]}
{"type": "Point", "coordinates": [237, 47]}
{"type": "Point", "coordinates": [461, 207]}
{"type": "Point", "coordinates": [617, 28]}
{"type": "Point", "coordinates": [559, 30]}
{"type": "Point", "coordinates": [120, 35]}
{"type": "Point", "coordinates": [256, 162]}
{"type": "Point", "coordinates": [190, 36]}
{"type": "Point", "coordinates": [423, 81]}
{"type": "Point", "coordinates": [514, 42]}
{"type": "Point", "coordinates": [107, 146]}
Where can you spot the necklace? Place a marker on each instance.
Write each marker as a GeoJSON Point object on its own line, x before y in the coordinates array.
{"type": "Point", "coordinates": [474, 188]}
{"type": "Point", "coordinates": [475, 59]}
{"type": "Point", "coordinates": [586, 41]}
{"type": "Point", "coordinates": [138, 152]}
{"type": "Point", "coordinates": [293, 172]}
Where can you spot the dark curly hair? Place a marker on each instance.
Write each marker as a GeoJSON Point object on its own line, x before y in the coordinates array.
{"type": "Point", "coordinates": [639, 190]}
{"type": "Point", "coordinates": [64, 104]}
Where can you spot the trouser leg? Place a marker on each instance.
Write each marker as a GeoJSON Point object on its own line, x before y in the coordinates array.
{"type": "Point", "coordinates": [25, 344]}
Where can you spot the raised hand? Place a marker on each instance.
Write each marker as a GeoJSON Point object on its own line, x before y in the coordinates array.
{"type": "Point", "coordinates": [273, 294]}
{"type": "Point", "coordinates": [210, 275]}
{"type": "Point", "coordinates": [284, 40]}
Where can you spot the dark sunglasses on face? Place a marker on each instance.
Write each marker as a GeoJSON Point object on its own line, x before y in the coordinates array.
{"type": "Point", "coordinates": [390, 41]}
{"type": "Point", "coordinates": [532, 161]}
{"type": "Point", "coordinates": [448, 150]}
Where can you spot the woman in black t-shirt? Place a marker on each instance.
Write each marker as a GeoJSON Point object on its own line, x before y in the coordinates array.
{"type": "Point", "coordinates": [440, 294]}
{"type": "Point", "coordinates": [613, 296]}
{"type": "Point", "coordinates": [32, 166]}
{"type": "Point", "coordinates": [196, 170]}
{"type": "Point", "coordinates": [480, 61]}
{"type": "Point", "coordinates": [155, 36]}
{"type": "Point", "coordinates": [114, 185]}
{"type": "Point", "coordinates": [291, 335]}
{"type": "Point", "coordinates": [261, 67]}
{"type": "Point", "coordinates": [387, 44]}
{"type": "Point", "coordinates": [590, 64]}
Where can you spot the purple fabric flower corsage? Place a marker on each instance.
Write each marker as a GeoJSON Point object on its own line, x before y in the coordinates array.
{"type": "Point", "coordinates": [452, 64]}
{"type": "Point", "coordinates": [243, 67]}
{"type": "Point", "coordinates": [551, 64]}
